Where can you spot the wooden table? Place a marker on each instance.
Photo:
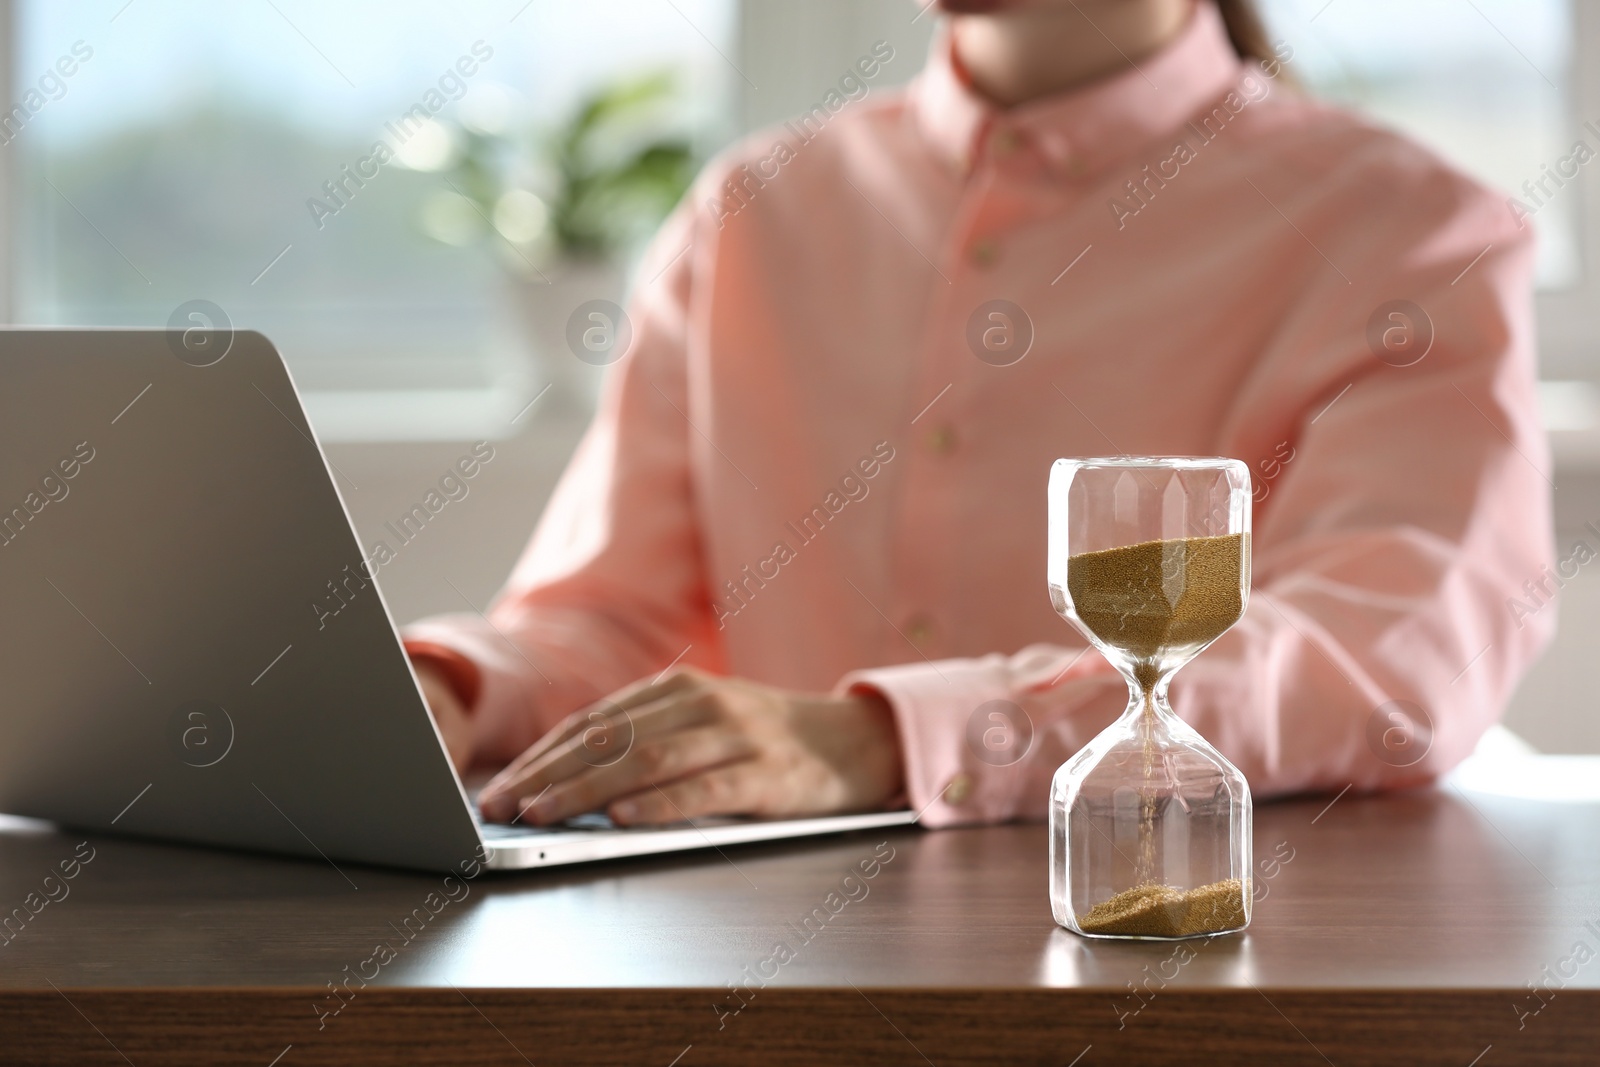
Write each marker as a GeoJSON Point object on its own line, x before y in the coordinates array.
{"type": "Point", "coordinates": [1403, 929]}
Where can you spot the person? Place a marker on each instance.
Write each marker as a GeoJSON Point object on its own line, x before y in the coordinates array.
{"type": "Point", "coordinates": [796, 566]}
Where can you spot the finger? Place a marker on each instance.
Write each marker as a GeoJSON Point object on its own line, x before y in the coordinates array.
{"type": "Point", "coordinates": [623, 702]}
{"type": "Point", "coordinates": [585, 719]}
{"type": "Point", "coordinates": [632, 698]}
{"type": "Point", "coordinates": [663, 760]}
{"type": "Point", "coordinates": [604, 733]}
{"type": "Point", "coordinates": [595, 742]}
{"type": "Point", "coordinates": [641, 693]}
{"type": "Point", "coordinates": [735, 789]}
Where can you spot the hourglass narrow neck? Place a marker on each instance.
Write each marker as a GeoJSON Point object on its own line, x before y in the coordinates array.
{"type": "Point", "coordinates": [1142, 698]}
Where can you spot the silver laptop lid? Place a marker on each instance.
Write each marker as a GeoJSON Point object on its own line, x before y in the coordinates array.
{"type": "Point", "coordinates": [190, 647]}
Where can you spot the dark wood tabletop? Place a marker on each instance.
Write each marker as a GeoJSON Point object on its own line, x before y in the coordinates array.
{"type": "Point", "coordinates": [1441, 925]}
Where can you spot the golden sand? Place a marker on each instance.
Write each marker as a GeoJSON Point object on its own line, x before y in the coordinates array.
{"type": "Point", "coordinates": [1144, 599]}
{"type": "Point", "coordinates": [1163, 911]}
{"type": "Point", "coordinates": [1147, 597]}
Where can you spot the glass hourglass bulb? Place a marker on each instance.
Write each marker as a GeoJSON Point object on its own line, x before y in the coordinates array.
{"type": "Point", "coordinates": [1149, 824]}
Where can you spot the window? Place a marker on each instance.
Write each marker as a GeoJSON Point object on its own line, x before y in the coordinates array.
{"type": "Point", "coordinates": [1498, 88]}
{"type": "Point", "coordinates": [1482, 82]}
{"type": "Point", "coordinates": [194, 136]}
{"type": "Point", "coordinates": [228, 152]}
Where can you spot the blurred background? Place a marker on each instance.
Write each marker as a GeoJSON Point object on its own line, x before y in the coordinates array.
{"type": "Point", "coordinates": [228, 153]}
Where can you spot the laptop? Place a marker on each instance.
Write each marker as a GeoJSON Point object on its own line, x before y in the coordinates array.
{"type": "Point", "coordinates": [170, 536]}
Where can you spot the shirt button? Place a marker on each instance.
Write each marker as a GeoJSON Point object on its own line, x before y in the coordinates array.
{"type": "Point", "coordinates": [1054, 147]}
{"type": "Point", "coordinates": [920, 630]}
{"type": "Point", "coordinates": [958, 789]}
{"type": "Point", "coordinates": [1006, 141]}
{"type": "Point", "coordinates": [984, 252]}
{"type": "Point", "coordinates": [942, 440]}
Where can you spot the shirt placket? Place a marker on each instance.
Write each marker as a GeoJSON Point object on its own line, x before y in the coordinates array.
{"type": "Point", "coordinates": [944, 444]}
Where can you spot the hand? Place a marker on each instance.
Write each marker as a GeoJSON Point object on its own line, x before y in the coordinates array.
{"type": "Point", "coordinates": [448, 713]}
{"type": "Point", "coordinates": [701, 745]}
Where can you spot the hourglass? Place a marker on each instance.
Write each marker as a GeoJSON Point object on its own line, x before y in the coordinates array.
{"type": "Point", "coordinates": [1149, 824]}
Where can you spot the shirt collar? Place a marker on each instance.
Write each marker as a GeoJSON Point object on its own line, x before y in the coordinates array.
{"type": "Point", "coordinates": [1081, 130]}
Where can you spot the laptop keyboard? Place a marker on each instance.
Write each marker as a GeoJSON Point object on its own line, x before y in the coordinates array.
{"type": "Point", "coordinates": [592, 822]}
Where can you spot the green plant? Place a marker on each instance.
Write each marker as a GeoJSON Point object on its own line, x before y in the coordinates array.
{"type": "Point", "coordinates": [587, 189]}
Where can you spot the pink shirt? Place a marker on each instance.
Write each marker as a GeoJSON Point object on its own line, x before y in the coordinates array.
{"type": "Point", "coordinates": [801, 472]}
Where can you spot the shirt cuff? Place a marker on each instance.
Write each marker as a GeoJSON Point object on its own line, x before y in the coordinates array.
{"type": "Point", "coordinates": [948, 785]}
{"type": "Point", "coordinates": [504, 717]}
{"type": "Point", "coordinates": [979, 736]}
{"type": "Point", "coordinates": [459, 672]}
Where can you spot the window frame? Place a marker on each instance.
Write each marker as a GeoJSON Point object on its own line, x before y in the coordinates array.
{"type": "Point", "coordinates": [1568, 319]}
{"type": "Point", "coordinates": [8, 194]}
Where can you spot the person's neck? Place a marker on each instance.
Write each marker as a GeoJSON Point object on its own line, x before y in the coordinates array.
{"type": "Point", "coordinates": [1017, 55]}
